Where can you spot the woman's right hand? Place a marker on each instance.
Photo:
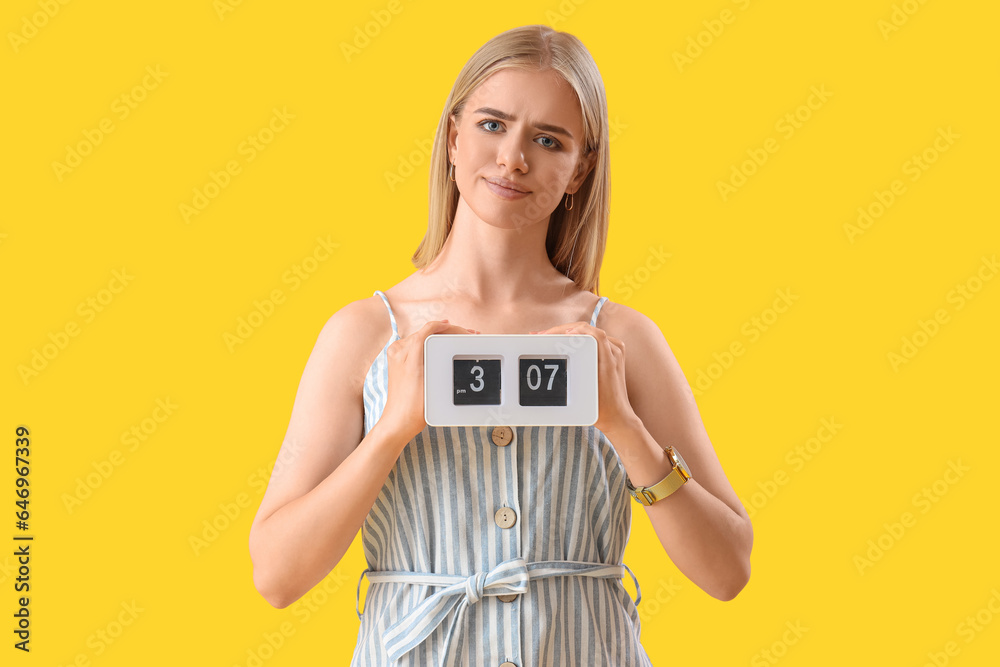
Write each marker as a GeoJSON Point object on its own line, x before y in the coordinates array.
{"type": "Point", "coordinates": [404, 405]}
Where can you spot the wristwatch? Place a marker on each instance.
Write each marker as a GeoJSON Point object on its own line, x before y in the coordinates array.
{"type": "Point", "coordinates": [647, 495]}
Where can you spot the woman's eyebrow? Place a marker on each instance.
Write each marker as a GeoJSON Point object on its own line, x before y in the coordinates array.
{"type": "Point", "coordinates": [506, 116]}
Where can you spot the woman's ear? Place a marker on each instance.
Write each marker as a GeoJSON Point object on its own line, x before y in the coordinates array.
{"type": "Point", "coordinates": [583, 168]}
{"type": "Point", "coordinates": [452, 137]}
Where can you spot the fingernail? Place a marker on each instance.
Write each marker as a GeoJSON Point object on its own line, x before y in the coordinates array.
{"type": "Point", "coordinates": [444, 320]}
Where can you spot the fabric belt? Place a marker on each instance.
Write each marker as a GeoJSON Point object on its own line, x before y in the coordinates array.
{"type": "Point", "coordinates": [459, 591]}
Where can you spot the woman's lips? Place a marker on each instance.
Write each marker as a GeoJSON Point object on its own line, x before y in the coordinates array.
{"type": "Point", "coordinates": [505, 193]}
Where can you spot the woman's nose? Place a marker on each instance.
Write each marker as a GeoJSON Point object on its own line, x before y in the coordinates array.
{"type": "Point", "coordinates": [511, 153]}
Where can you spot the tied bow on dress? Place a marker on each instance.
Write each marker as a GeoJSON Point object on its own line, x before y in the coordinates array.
{"type": "Point", "coordinates": [459, 591]}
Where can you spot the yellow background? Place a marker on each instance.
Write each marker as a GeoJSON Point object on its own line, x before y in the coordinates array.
{"type": "Point", "coordinates": [681, 130]}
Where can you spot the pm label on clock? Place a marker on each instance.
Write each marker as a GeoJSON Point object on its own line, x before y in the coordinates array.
{"type": "Point", "coordinates": [476, 381]}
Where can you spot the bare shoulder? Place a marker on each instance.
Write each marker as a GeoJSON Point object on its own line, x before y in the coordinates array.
{"type": "Point", "coordinates": [649, 361]}
{"type": "Point", "coordinates": [357, 331]}
{"type": "Point", "coordinates": [627, 323]}
{"type": "Point", "coordinates": [368, 315]}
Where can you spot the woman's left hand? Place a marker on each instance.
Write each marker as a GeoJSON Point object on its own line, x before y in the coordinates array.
{"type": "Point", "coordinates": [614, 410]}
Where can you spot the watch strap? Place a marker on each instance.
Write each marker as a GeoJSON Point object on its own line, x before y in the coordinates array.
{"type": "Point", "coordinates": [675, 479]}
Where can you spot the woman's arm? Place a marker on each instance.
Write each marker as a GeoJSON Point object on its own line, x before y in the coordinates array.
{"type": "Point", "coordinates": [324, 481]}
{"type": "Point", "coordinates": [703, 526]}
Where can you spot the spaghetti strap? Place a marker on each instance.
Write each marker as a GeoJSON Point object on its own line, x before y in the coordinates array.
{"type": "Point", "coordinates": [392, 318]}
{"type": "Point", "coordinates": [597, 309]}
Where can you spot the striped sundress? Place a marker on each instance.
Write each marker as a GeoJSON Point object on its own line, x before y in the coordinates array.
{"type": "Point", "coordinates": [498, 546]}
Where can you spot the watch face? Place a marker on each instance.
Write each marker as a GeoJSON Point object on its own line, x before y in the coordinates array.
{"type": "Point", "coordinates": [681, 462]}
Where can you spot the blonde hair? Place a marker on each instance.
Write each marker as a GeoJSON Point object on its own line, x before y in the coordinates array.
{"type": "Point", "coordinates": [576, 238]}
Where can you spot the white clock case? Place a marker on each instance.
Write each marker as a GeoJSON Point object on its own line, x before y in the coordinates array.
{"type": "Point", "coordinates": [580, 350]}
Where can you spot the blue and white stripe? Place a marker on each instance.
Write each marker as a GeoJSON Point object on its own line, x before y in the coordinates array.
{"type": "Point", "coordinates": [437, 560]}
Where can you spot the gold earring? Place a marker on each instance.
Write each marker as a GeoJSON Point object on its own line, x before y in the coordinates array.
{"type": "Point", "coordinates": [569, 206]}
{"type": "Point", "coordinates": [451, 171]}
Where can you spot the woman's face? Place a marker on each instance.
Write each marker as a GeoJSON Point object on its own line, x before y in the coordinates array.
{"type": "Point", "coordinates": [524, 130]}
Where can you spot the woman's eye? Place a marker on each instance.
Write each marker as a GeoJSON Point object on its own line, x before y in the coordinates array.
{"type": "Point", "coordinates": [488, 125]}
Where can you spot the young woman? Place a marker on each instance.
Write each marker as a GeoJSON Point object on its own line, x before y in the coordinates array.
{"type": "Point", "coordinates": [499, 545]}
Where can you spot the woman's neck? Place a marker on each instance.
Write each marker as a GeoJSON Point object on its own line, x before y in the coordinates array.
{"type": "Point", "coordinates": [493, 264]}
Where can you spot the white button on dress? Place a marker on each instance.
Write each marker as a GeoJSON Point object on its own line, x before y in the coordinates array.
{"type": "Point", "coordinates": [502, 435]}
{"type": "Point", "coordinates": [505, 517]}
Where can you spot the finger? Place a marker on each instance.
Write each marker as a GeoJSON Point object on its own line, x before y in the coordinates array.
{"type": "Point", "coordinates": [430, 327]}
{"type": "Point", "coordinates": [455, 328]}
{"type": "Point", "coordinates": [437, 324]}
